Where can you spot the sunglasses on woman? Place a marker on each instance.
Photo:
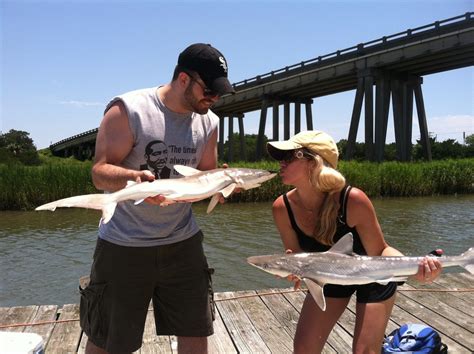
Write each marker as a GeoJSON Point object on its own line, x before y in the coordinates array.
{"type": "Point", "coordinates": [289, 156]}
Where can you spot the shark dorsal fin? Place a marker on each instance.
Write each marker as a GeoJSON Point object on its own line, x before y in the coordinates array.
{"type": "Point", "coordinates": [186, 170]}
{"type": "Point", "coordinates": [344, 245]}
{"type": "Point", "coordinates": [317, 292]}
{"type": "Point", "coordinates": [130, 183]}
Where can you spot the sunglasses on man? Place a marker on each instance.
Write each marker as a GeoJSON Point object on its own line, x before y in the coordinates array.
{"type": "Point", "coordinates": [207, 92]}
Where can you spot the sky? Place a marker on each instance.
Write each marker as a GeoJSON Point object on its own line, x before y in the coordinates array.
{"type": "Point", "coordinates": [61, 61]}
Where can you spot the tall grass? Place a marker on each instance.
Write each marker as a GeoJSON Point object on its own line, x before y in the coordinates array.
{"type": "Point", "coordinates": [24, 188]}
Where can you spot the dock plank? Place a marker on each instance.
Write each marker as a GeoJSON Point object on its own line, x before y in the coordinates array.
{"type": "Point", "coordinates": [264, 321]}
{"type": "Point", "coordinates": [220, 341]}
{"type": "Point", "coordinates": [272, 332]}
{"type": "Point", "coordinates": [17, 315]}
{"type": "Point", "coordinates": [244, 335]}
{"type": "Point", "coordinates": [44, 313]}
{"type": "Point", "coordinates": [434, 301]}
{"type": "Point", "coordinates": [67, 335]}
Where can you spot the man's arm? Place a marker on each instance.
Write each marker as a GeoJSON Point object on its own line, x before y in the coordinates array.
{"type": "Point", "coordinates": [209, 156]}
{"type": "Point", "coordinates": [114, 142]}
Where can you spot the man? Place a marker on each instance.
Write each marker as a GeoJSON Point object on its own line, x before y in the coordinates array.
{"type": "Point", "coordinates": [145, 251]}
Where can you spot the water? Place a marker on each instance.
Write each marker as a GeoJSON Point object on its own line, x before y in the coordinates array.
{"type": "Point", "coordinates": [43, 254]}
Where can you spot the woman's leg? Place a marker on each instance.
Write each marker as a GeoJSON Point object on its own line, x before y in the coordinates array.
{"type": "Point", "coordinates": [315, 325]}
{"type": "Point", "coordinates": [371, 321]}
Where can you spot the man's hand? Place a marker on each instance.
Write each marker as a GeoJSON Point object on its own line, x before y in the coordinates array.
{"type": "Point", "coordinates": [147, 176]}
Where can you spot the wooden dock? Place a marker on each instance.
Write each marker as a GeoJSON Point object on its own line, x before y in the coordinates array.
{"type": "Point", "coordinates": [264, 321]}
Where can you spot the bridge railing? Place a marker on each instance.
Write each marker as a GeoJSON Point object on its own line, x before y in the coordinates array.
{"type": "Point", "coordinates": [357, 48]}
{"type": "Point", "coordinates": [89, 132]}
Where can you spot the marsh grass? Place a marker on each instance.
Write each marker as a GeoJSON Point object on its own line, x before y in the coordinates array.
{"type": "Point", "coordinates": [26, 187]}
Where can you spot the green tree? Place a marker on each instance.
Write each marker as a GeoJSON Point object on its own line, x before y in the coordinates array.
{"type": "Point", "coordinates": [16, 145]}
{"type": "Point", "coordinates": [469, 140]}
{"type": "Point", "coordinates": [250, 143]}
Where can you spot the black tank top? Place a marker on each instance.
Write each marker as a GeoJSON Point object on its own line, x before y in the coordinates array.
{"type": "Point", "coordinates": [309, 244]}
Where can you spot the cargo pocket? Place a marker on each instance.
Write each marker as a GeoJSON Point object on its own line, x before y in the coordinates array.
{"type": "Point", "coordinates": [212, 304]}
{"type": "Point", "coordinates": [91, 310]}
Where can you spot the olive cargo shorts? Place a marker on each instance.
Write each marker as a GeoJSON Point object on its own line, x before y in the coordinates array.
{"type": "Point", "coordinates": [115, 304]}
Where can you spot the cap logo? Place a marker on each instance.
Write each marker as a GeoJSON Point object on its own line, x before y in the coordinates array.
{"type": "Point", "coordinates": [223, 63]}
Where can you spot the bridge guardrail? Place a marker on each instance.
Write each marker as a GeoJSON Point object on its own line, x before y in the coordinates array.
{"type": "Point", "coordinates": [354, 49]}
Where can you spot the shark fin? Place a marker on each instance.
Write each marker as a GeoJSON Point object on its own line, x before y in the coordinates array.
{"type": "Point", "coordinates": [130, 183]}
{"type": "Point", "coordinates": [469, 253]}
{"type": "Point", "coordinates": [213, 202]}
{"type": "Point", "coordinates": [317, 292]}
{"type": "Point", "coordinates": [344, 245]}
{"type": "Point", "coordinates": [470, 268]}
{"type": "Point", "coordinates": [228, 190]}
{"type": "Point", "coordinates": [108, 211]}
{"type": "Point", "coordinates": [139, 201]}
{"type": "Point", "coordinates": [186, 170]}
{"type": "Point", "coordinates": [250, 186]}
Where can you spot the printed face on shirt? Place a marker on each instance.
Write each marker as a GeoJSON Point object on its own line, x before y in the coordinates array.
{"type": "Point", "coordinates": [156, 154]}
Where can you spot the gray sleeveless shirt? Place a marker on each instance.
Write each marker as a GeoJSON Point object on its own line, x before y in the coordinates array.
{"type": "Point", "coordinates": [162, 138]}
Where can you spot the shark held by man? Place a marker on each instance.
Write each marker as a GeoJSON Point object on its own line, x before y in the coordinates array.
{"type": "Point", "coordinates": [341, 266]}
{"type": "Point", "coordinates": [195, 186]}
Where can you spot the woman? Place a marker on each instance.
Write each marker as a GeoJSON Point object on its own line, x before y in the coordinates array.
{"type": "Point", "coordinates": [316, 214]}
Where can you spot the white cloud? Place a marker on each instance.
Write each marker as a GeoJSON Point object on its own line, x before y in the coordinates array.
{"type": "Point", "coordinates": [82, 104]}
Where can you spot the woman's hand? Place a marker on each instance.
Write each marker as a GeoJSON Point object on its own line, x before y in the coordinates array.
{"type": "Point", "coordinates": [295, 279]}
{"type": "Point", "coordinates": [428, 270]}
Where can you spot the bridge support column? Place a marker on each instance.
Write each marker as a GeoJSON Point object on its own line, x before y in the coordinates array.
{"type": "Point", "coordinates": [402, 88]}
{"type": "Point", "coordinates": [261, 128]}
{"type": "Point", "coordinates": [309, 114]}
{"type": "Point", "coordinates": [220, 145]}
{"type": "Point", "coordinates": [230, 136]}
{"type": "Point", "coordinates": [424, 135]}
{"type": "Point", "coordinates": [275, 102]}
{"type": "Point", "coordinates": [297, 117]}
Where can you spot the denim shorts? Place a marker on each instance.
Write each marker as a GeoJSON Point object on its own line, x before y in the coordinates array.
{"type": "Point", "coordinates": [123, 280]}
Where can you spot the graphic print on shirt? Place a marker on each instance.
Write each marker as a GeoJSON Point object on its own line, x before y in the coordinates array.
{"type": "Point", "coordinates": [157, 156]}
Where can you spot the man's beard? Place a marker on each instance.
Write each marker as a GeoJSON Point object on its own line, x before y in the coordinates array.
{"type": "Point", "coordinates": [192, 103]}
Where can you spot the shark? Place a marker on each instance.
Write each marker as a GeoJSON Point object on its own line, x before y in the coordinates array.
{"type": "Point", "coordinates": [196, 185]}
{"type": "Point", "coordinates": [340, 265]}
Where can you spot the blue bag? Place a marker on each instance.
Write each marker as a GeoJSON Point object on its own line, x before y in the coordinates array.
{"type": "Point", "coordinates": [414, 338]}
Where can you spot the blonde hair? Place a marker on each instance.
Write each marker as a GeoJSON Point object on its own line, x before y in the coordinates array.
{"type": "Point", "coordinates": [326, 179]}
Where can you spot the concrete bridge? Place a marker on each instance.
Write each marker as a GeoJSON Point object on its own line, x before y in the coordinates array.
{"type": "Point", "coordinates": [386, 69]}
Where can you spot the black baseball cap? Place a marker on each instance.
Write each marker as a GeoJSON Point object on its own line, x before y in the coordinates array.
{"type": "Point", "coordinates": [210, 64]}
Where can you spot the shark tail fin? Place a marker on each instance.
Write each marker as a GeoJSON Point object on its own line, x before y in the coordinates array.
{"type": "Point", "coordinates": [88, 201]}
{"type": "Point", "coordinates": [469, 254]}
